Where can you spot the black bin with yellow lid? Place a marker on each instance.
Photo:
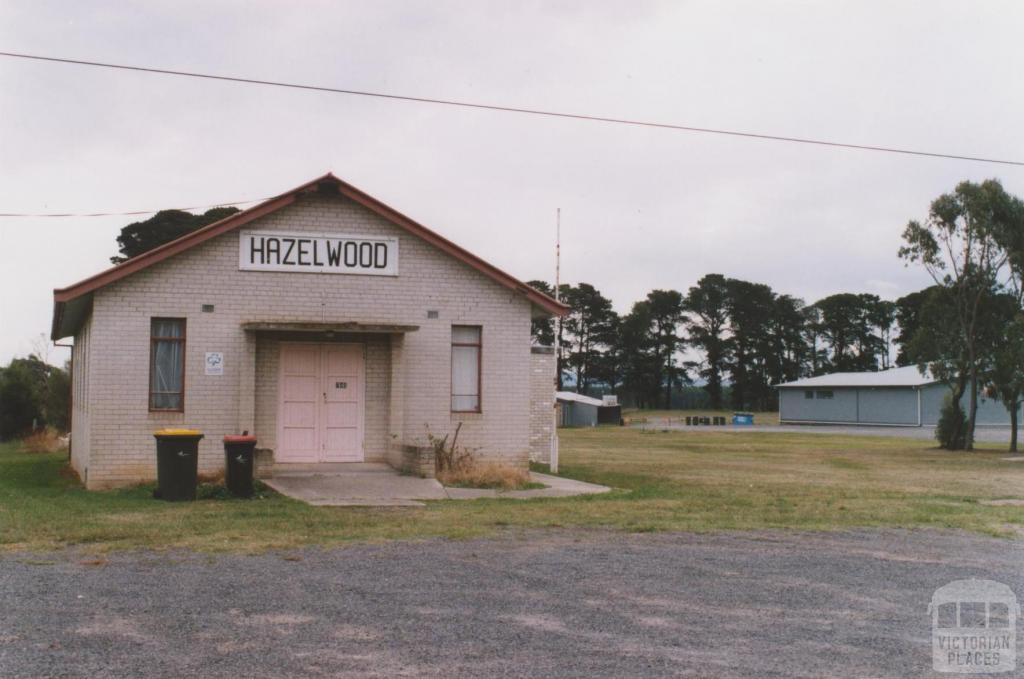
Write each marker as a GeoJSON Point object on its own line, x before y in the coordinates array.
{"type": "Point", "coordinates": [177, 464]}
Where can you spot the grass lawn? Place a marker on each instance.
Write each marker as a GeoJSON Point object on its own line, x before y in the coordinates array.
{"type": "Point", "coordinates": [686, 480]}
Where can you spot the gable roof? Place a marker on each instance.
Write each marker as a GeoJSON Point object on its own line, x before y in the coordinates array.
{"type": "Point", "coordinates": [80, 294]}
{"type": "Point", "coordinates": [908, 376]}
{"type": "Point", "coordinates": [578, 398]}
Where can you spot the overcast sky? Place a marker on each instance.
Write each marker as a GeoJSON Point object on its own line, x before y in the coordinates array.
{"type": "Point", "coordinates": [641, 208]}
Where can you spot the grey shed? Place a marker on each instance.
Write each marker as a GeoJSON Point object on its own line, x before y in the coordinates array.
{"type": "Point", "coordinates": [577, 410]}
{"type": "Point", "coordinates": [895, 397]}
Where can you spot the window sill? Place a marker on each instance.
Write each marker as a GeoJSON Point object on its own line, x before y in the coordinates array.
{"type": "Point", "coordinates": [174, 415]}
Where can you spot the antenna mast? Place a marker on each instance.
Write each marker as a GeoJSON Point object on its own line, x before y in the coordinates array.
{"type": "Point", "coordinates": [558, 250]}
{"type": "Point", "coordinates": [553, 456]}
{"type": "Point", "coordinates": [558, 292]}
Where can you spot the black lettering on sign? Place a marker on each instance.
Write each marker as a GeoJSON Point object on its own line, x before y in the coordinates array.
{"type": "Point", "coordinates": [341, 385]}
{"type": "Point", "coordinates": [327, 254]}
{"type": "Point", "coordinates": [253, 250]}
{"type": "Point", "coordinates": [333, 253]}
{"type": "Point", "coordinates": [304, 251]}
{"type": "Point", "coordinates": [351, 253]}
{"type": "Point", "coordinates": [273, 248]}
{"type": "Point", "coordinates": [288, 254]}
{"type": "Point", "coordinates": [366, 255]}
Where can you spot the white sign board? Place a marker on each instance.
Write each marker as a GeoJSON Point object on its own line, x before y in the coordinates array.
{"type": "Point", "coordinates": [214, 363]}
{"type": "Point", "coordinates": [318, 253]}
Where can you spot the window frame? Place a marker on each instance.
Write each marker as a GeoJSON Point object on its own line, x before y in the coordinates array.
{"type": "Point", "coordinates": [825, 394]}
{"type": "Point", "coordinates": [152, 351]}
{"type": "Point", "coordinates": [479, 346]}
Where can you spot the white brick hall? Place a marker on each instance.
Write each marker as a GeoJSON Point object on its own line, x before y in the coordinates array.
{"type": "Point", "coordinates": [329, 325]}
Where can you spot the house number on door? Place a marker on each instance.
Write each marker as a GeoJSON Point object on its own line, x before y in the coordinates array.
{"type": "Point", "coordinates": [341, 385]}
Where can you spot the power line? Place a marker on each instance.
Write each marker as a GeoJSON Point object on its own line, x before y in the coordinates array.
{"type": "Point", "coordinates": [128, 213]}
{"type": "Point", "coordinates": [515, 109]}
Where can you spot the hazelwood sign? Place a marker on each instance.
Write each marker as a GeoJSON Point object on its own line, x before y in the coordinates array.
{"type": "Point", "coordinates": [318, 253]}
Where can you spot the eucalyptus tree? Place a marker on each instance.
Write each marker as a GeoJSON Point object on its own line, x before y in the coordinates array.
{"type": "Point", "coordinates": [1006, 376]}
{"type": "Point", "coordinates": [959, 246]}
{"type": "Point", "coordinates": [1005, 370]}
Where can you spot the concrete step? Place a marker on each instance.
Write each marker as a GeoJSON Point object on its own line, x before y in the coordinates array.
{"type": "Point", "coordinates": [329, 469]}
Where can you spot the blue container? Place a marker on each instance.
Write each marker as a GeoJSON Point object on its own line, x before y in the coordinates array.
{"type": "Point", "coordinates": [743, 418]}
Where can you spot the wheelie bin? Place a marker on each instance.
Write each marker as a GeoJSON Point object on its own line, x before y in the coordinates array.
{"type": "Point", "coordinates": [238, 464]}
{"type": "Point", "coordinates": [177, 464]}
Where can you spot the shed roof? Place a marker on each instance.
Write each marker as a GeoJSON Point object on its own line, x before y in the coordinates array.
{"type": "Point", "coordinates": [908, 376]}
{"type": "Point", "coordinates": [578, 398]}
{"type": "Point", "coordinates": [71, 304]}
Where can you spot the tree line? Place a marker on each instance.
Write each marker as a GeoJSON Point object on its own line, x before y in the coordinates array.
{"type": "Point", "coordinates": [969, 329]}
{"type": "Point", "coordinates": [744, 337]}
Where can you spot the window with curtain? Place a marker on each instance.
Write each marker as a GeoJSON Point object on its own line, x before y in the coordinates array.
{"type": "Point", "coordinates": [167, 364]}
{"type": "Point", "coordinates": [466, 348]}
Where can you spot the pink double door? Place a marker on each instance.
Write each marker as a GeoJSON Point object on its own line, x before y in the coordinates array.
{"type": "Point", "coordinates": [320, 407]}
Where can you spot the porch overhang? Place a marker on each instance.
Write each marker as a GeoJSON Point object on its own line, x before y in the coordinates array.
{"type": "Point", "coordinates": [329, 328]}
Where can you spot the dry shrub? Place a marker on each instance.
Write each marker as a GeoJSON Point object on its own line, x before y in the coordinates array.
{"type": "Point", "coordinates": [457, 466]}
{"type": "Point", "coordinates": [449, 456]}
{"type": "Point", "coordinates": [44, 441]}
{"type": "Point", "coordinates": [473, 474]}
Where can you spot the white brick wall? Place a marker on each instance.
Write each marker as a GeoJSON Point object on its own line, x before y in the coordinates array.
{"type": "Point", "coordinates": [80, 397]}
{"type": "Point", "coordinates": [542, 403]}
{"type": "Point", "coordinates": [120, 444]}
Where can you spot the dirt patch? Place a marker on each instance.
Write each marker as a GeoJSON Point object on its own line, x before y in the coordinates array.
{"type": "Point", "coordinates": [278, 619]}
{"type": "Point", "coordinates": [113, 626]}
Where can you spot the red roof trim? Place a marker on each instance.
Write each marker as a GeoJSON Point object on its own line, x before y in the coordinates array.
{"type": "Point", "coordinates": [442, 243]}
{"type": "Point", "coordinates": [116, 273]}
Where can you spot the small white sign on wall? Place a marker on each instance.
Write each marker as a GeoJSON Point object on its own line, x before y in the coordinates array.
{"type": "Point", "coordinates": [214, 363]}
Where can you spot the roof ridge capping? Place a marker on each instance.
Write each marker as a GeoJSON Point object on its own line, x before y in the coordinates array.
{"type": "Point", "coordinates": [900, 376]}
{"type": "Point", "coordinates": [61, 296]}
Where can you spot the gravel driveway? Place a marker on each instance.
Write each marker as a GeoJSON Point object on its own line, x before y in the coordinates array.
{"type": "Point", "coordinates": [536, 604]}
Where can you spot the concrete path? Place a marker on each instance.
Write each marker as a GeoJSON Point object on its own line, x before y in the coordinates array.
{"type": "Point", "coordinates": [556, 487]}
{"type": "Point", "coordinates": [378, 485]}
{"type": "Point", "coordinates": [362, 484]}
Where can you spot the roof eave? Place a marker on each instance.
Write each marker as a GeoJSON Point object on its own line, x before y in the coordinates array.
{"type": "Point", "coordinates": [58, 313]}
{"type": "Point", "coordinates": [63, 295]}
